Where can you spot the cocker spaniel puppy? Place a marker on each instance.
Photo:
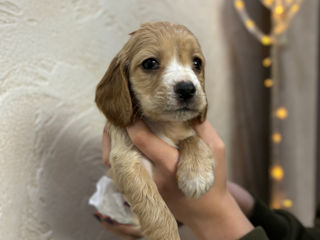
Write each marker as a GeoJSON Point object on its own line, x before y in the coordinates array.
{"type": "Point", "coordinates": [158, 76]}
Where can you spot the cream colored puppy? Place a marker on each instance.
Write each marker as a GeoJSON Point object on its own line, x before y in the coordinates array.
{"type": "Point", "coordinates": [158, 76]}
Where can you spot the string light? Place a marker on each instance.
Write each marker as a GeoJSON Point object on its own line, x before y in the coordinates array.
{"type": "Point", "coordinates": [266, 62]}
{"type": "Point", "coordinates": [279, 10]}
{"type": "Point", "coordinates": [275, 205]}
{"type": "Point", "coordinates": [295, 8]}
{"type": "Point", "coordinates": [276, 137]}
{"type": "Point", "coordinates": [287, 203]}
{"type": "Point", "coordinates": [266, 40]}
{"type": "Point", "coordinates": [282, 113]}
{"type": "Point", "coordinates": [239, 4]}
{"type": "Point", "coordinates": [277, 172]}
{"type": "Point", "coordinates": [250, 24]}
{"type": "Point", "coordinates": [268, 83]}
{"type": "Point", "coordinates": [282, 13]}
{"type": "Point", "coordinates": [279, 29]}
{"type": "Point", "coordinates": [268, 2]}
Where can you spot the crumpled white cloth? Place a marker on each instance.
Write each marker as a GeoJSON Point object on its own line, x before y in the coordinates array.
{"type": "Point", "coordinates": [110, 202]}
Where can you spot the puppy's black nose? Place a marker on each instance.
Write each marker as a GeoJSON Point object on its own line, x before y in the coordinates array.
{"type": "Point", "coordinates": [185, 90]}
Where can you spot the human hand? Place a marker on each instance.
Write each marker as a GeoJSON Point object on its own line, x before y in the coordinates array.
{"type": "Point", "coordinates": [243, 198]}
{"type": "Point", "coordinates": [126, 231]}
{"type": "Point", "coordinates": [215, 214]}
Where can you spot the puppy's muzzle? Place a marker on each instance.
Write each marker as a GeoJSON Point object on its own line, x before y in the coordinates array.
{"type": "Point", "coordinates": [184, 91]}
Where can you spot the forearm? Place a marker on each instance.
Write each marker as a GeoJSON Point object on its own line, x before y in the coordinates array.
{"type": "Point", "coordinates": [231, 224]}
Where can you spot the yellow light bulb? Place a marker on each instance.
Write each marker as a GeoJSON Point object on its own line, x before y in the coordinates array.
{"type": "Point", "coordinates": [266, 40]}
{"type": "Point", "coordinates": [287, 203]}
{"type": "Point", "coordinates": [276, 137]}
{"type": "Point", "coordinates": [277, 172]}
{"type": "Point", "coordinates": [282, 113]}
{"type": "Point", "coordinates": [250, 24]}
{"type": "Point", "coordinates": [268, 2]}
{"type": "Point", "coordinates": [239, 4]}
{"type": "Point", "coordinates": [275, 205]}
{"type": "Point", "coordinates": [279, 10]}
{"type": "Point", "coordinates": [266, 62]}
{"type": "Point", "coordinates": [268, 83]}
{"type": "Point", "coordinates": [295, 8]}
{"type": "Point", "coordinates": [280, 29]}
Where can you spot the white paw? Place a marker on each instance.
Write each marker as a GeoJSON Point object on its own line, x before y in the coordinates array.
{"type": "Point", "coordinates": [194, 184]}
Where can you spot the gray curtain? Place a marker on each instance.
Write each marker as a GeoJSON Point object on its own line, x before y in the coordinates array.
{"type": "Point", "coordinates": [252, 154]}
{"type": "Point", "coordinates": [298, 72]}
{"type": "Point", "coordinates": [250, 134]}
{"type": "Point", "coordinates": [317, 223]}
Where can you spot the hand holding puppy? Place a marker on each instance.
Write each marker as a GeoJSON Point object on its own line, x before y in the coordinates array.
{"type": "Point", "coordinates": [215, 214]}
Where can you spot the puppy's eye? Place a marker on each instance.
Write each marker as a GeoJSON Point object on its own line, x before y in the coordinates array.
{"type": "Point", "coordinates": [197, 63]}
{"type": "Point", "coordinates": [150, 64]}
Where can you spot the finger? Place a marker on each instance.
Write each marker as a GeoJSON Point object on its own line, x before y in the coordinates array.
{"type": "Point", "coordinates": [106, 147]}
{"type": "Point", "coordinates": [115, 231]}
{"type": "Point", "coordinates": [206, 131]}
{"type": "Point", "coordinates": [129, 230]}
{"type": "Point", "coordinates": [125, 230]}
{"type": "Point", "coordinates": [159, 152]}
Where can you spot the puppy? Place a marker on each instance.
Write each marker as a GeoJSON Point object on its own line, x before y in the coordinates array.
{"type": "Point", "coordinates": [158, 76]}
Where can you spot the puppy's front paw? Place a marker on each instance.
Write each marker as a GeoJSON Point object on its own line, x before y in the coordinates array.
{"type": "Point", "coordinates": [195, 168]}
{"type": "Point", "coordinates": [195, 182]}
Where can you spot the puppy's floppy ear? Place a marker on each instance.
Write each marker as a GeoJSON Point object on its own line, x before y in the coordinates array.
{"type": "Point", "coordinates": [203, 115]}
{"type": "Point", "coordinates": [112, 94]}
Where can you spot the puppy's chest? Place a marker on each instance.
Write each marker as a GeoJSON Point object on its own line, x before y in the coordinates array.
{"type": "Point", "coordinates": [171, 133]}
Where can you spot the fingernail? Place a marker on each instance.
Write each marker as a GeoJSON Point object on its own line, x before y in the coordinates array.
{"type": "Point", "coordinates": [108, 220]}
{"type": "Point", "coordinates": [97, 217]}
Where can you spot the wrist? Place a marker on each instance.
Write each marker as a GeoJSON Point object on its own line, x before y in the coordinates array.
{"type": "Point", "coordinates": [226, 222]}
{"type": "Point", "coordinates": [243, 198]}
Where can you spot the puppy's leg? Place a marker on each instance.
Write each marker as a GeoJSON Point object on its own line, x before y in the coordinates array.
{"type": "Point", "coordinates": [195, 167]}
{"type": "Point", "coordinates": [156, 220]}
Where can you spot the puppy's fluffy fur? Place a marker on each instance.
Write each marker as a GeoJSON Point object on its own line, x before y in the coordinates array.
{"type": "Point", "coordinates": [143, 81]}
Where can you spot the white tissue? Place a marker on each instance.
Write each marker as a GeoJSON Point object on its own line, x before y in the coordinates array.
{"type": "Point", "coordinates": [110, 202]}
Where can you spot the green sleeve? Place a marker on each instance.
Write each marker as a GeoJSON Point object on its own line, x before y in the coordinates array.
{"type": "Point", "coordinates": [280, 224]}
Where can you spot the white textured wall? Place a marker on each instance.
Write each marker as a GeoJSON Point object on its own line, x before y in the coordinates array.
{"type": "Point", "coordinates": [52, 55]}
